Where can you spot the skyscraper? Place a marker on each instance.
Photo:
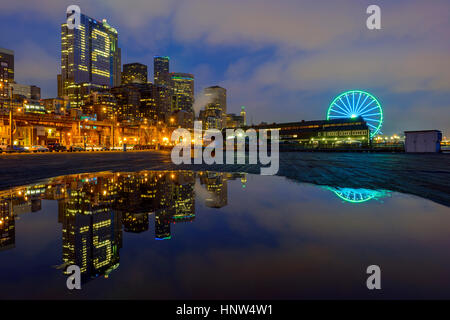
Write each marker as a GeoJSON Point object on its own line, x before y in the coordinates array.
{"type": "Point", "coordinates": [90, 58]}
{"type": "Point", "coordinates": [214, 116]}
{"type": "Point", "coordinates": [182, 85]}
{"type": "Point", "coordinates": [161, 79]}
{"type": "Point", "coordinates": [7, 59]}
{"type": "Point", "coordinates": [6, 71]}
{"type": "Point", "coordinates": [134, 73]}
{"type": "Point", "coordinates": [161, 71]}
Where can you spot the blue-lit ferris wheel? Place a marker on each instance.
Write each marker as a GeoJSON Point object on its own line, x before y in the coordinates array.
{"type": "Point", "coordinates": [355, 103]}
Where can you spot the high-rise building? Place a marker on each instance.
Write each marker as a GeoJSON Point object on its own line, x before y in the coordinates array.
{"type": "Point", "coordinates": [161, 71]}
{"type": "Point", "coordinates": [4, 88]}
{"type": "Point", "coordinates": [161, 77]}
{"type": "Point", "coordinates": [141, 101]}
{"type": "Point", "coordinates": [6, 72]}
{"type": "Point", "coordinates": [134, 73]}
{"type": "Point", "coordinates": [163, 102]}
{"type": "Point", "coordinates": [90, 59]}
{"type": "Point", "coordinates": [128, 100]}
{"type": "Point", "coordinates": [215, 114]}
{"type": "Point", "coordinates": [100, 105]}
{"type": "Point", "coordinates": [182, 85]}
{"type": "Point", "coordinates": [7, 58]}
{"type": "Point", "coordinates": [60, 85]}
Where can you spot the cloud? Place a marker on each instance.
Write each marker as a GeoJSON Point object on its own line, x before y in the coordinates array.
{"type": "Point", "coordinates": [34, 64]}
{"type": "Point", "coordinates": [289, 56]}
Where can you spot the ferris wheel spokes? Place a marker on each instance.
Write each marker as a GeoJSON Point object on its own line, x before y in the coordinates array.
{"type": "Point", "coordinates": [364, 105]}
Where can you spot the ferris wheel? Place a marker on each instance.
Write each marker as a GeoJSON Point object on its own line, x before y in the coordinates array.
{"type": "Point", "coordinates": [355, 103]}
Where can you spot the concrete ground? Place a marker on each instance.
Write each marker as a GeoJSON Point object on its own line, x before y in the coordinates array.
{"type": "Point", "coordinates": [427, 176]}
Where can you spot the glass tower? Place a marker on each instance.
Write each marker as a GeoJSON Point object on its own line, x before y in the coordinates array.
{"type": "Point", "coordinates": [90, 58]}
{"type": "Point", "coordinates": [161, 71]}
{"type": "Point", "coordinates": [182, 91]}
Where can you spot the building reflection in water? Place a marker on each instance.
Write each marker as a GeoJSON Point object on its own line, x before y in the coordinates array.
{"type": "Point", "coordinates": [95, 209]}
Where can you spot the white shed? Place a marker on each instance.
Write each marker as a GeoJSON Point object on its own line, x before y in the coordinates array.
{"type": "Point", "coordinates": [423, 141]}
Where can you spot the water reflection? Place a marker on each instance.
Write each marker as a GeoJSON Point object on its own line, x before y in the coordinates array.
{"type": "Point", "coordinates": [354, 195]}
{"type": "Point", "coordinates": [94, 210]}
{"type": "Point", "coordinates": [220, 235]}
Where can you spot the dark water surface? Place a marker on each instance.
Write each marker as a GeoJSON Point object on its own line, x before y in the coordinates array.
{"type": "Point", "coordinates": [180, 234]}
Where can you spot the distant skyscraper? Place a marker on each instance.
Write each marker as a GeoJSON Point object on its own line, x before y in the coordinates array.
{"type": "Point", "coordinates": [4, 89]}
{"type": "Point", "coordinates": [134, 73]}
{"type": "Point", "coordinates": [6, 71]}
{"type": "Point", "coordinates": [90, 58]}
{"type": "Point", "coordinates": [161, 77]}
{"type": "Point", "coordinates": [182, 85]}
{"type": "Point", "coordinates": [7, 59]}
{"type": "Point", "coordinates": [161, 71]}
{"type": "Point", "coordinates": [214, 116]}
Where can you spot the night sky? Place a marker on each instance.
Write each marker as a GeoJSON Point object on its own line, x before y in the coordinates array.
{"type": "Point", "coordinates": [284, 60]}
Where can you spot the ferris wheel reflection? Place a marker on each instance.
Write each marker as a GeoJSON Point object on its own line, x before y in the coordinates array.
{"type": "Point", "coordinates": [355, 195]}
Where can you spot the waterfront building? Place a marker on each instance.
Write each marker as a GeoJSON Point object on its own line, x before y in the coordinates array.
{"type": "Point", "coordinates": [344, 132]}
{"type": "Point", "coordinates": [90, 59]}
{"type": "Point", "coordinates": [134, 73]}
{"type": "Point", "coordinates": [425, 141]}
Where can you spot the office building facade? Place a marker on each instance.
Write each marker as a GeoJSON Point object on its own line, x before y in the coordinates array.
{"type": "Point", "coordinates": [161, 71]}
{"type": "Point", "coordinates": [182, 85]}
{"type": "Point", "coordinates": [7, 58]}
{"type": "Point", "coordinates": [90, 59]}
{"type": "Point", "coordinates": [134, 73]}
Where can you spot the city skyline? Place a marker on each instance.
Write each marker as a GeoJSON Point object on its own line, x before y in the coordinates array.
{"type": "Point", "coordinates": [300, 65]}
